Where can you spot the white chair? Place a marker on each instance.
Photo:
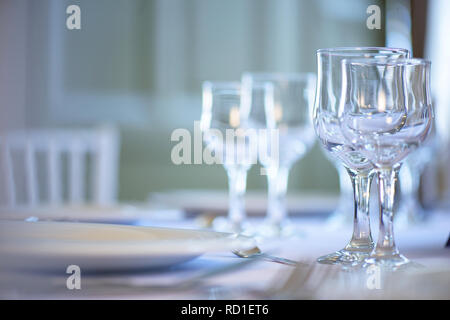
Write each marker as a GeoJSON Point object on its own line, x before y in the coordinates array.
{"type": "Point", "coordinates": [77, 166]}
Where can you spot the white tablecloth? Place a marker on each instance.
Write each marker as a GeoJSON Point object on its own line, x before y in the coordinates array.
{"type": "Point", "coordinates": [422, 243]}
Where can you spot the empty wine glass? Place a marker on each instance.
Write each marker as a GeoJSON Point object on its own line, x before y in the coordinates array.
{"type": "Point", "coordinates": [281, 102]}
{"type": "Point", "coordinates": [385, 113]}
{"type": "Point", "coordinates": [224, 132]}
{"type": "Point", "coordinates": [326, 124]}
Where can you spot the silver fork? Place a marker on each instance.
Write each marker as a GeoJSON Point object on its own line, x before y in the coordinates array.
{"type": "Point", "coordinates": [256, 252]}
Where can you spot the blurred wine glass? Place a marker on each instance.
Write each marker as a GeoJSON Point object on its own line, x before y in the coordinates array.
{"type": "Point", "coordinates": [279, 102]}
{"type": "Point", "coordinates": [224, 127]}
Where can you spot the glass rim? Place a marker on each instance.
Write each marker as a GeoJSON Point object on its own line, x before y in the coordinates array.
{"type": "Point", "coordinates": [349, 51]}
{"type": "Point", "coordinates": [387, 62]}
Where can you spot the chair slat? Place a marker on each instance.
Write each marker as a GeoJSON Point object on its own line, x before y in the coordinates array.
{"type": "Point", "coordinates": [30, 173]}
{"type": "Point", "coordinates": [54, 173]}
{"type": "Point", "coordinates": [101, 144]}
{"type": "Point", "coordinates": [10, 186]}
{"type": "Point", "coordinates": [77, 173]}
{"type": "Point", "coordinates": [105, 162]}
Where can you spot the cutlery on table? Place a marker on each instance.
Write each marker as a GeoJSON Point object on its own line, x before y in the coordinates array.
{"type": "Point", "coordinates": [256, 252]}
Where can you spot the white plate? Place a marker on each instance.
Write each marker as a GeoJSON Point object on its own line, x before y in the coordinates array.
{"type": "Point", "coordinates": [120, 213]}
{"type": "Point", "coordinates": [103, 247]}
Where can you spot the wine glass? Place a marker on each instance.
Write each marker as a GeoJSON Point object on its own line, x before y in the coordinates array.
{"type": "Point", "coordinates": [385, 113]}
{"type": "Point", "coordinates": [326, 124]}
{"type": "Point", "coordinates": [224, 129]}
{"type": "Point", "coordinates": [281, 102]}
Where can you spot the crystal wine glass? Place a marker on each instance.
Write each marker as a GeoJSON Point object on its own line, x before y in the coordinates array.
{"type": "Point", "coordinates": [385, 113]}
{"type": "Point", "coordinates": [281, 102]}
{"type": "Point", "coordinates": [326, 124]}
{"type": "Point", "coordinates": [225, 134]}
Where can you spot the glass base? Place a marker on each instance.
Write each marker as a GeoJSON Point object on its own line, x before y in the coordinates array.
{"type": "Point", "coordinates": [344, 257]}
{"type": "Point", "coordinates": [391, 262]}
{"type": "Point", "coordinates": [223, 224]}
{"type": "Point", "coordinates": [259, 230]}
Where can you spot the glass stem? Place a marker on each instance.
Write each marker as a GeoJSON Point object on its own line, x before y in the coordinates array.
{"type": "Point", "coordinates": [237, 184]}
{"type": "Point", "coordinates": [277, 180]}
{"type": "Point", "coordinates": [387, 179]}
{"type": "Point", "coordinates": [361, 238]}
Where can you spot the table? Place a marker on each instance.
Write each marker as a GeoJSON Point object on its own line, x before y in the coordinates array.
{"type": "Point", "coordinates": [423, 243]}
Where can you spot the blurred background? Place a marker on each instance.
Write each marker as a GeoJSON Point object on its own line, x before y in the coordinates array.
{"type": "Point", "coordinates": [138, 65]}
